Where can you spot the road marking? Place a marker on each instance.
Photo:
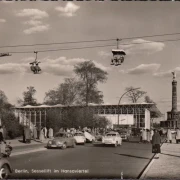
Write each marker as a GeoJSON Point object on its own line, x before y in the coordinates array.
{"type": "Point", "coordinates": [28, 151]}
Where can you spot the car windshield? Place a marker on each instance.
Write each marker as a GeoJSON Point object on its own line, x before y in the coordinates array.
{"type": "Point", "coordinates": [60, 135]}
{"type": "Point", "coordinates": [78, 134]}
{"type": "Point", "coordinates": [110, 134]}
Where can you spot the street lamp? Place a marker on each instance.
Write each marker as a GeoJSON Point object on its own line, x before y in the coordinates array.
{"type": "Point", "coordinates": [121, 98]}
{"type": "Point", "coordinates": [118, 55]}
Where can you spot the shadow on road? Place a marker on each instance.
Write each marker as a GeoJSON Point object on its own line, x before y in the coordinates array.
{"type": "Point", "coordinates": [170, 155]}
{"type": "Point", "coordinates": [139, 157]}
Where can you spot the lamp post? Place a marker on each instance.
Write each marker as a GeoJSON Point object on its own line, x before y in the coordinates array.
{"type": "Point", "coordinates": [122, 97]}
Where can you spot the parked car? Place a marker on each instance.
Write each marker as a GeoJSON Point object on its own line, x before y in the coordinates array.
{"type": "Point", "coordinates": [79, 138]}
{"type": "Point", "coordinates": [89, 137]}
{"type": "Point", "coordinates": [113, 138]}
{"type": "Point", "coordinates": [98, 137]}
{"type": "Point", "coordinates": [62, 140]}
{"type": "Point", "coordinates": [5, 168]}
{"type": "Point", "coordinates": [125, 136]}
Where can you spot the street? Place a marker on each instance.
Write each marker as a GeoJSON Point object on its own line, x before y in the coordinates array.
{"type": "Point", "coordinates": [96, 161]}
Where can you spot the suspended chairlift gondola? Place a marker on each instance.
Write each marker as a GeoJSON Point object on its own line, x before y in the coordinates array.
{"type": "Point", "coordinates": [118, 55]}
{"type": "Point", "coordinates": [35, 65]}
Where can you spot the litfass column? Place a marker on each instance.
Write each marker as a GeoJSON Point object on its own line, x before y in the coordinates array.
{"type": "Point", "coordinates": [174, 100]}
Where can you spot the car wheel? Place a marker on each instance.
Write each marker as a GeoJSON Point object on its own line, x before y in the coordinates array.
{"type": "Point", "coordinates": [116, 144]}
{"type": "Point", "coordinates": [64, 146]}
{"type": "Point", "coordinates": [4, 172]}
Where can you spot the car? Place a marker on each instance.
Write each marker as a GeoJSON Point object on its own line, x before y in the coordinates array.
{"type": "Point", "coordinates": [89, 137]}
{"type": "Point", "coordinates": [79, 138]}
{"type": "Point", "coordinates": [5, 168]}
{"type": "Point", "coordinates": [124, 136]}
{"type": "Point", "coordinates": [62, 140]}
{"type": "Point", "coordinates": [113, 138]}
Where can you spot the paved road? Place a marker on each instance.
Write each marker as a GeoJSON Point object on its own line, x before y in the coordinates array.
{"type": "Point", "coordinates": [100, 162]}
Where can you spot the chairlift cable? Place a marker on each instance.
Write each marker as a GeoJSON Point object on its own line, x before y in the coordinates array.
{"type": "Point", "coordinates": [89, 47]}
{"type": "Point", "coordinates": [90, 41]}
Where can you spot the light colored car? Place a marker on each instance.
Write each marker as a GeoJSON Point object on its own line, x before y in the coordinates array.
{"type": "Point", "coordinates": [62, 140]}
{"type": "Point", "coordinates": [89, 137]}
{"type": "Point", "coordinates": [79, 138]}
{"type": "Point", "coordinates": [5, 168]}
{"type": "Point", "coordinates": [113, 138]}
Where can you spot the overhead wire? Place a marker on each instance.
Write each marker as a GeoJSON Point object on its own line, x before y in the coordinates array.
{"type": "Point", "coordinates": [89, 41]}
{"type": "Point", "coordinates": [88, 47]}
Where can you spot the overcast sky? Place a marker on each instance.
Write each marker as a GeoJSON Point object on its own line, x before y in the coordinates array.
{"type": "Point", "coordinates": [148, 65]}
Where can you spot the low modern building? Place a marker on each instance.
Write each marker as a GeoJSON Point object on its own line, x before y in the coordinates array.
{"type": "Point", "coordinates": [137, 115]}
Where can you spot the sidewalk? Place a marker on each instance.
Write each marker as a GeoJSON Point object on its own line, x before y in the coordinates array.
{"type": "Point", "coordinates": [18, 142]}
{"type": "Point", "coordinates": [168, 164]}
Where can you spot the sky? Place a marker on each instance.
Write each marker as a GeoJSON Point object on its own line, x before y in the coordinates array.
{"type": "Point", "coordinates": [147, 65]}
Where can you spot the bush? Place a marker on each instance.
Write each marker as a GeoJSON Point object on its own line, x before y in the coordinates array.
{"type": "Point", "coordinates": [12, 127]}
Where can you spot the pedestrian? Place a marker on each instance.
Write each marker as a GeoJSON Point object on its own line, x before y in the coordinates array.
{"type": "Point", "coordinates": [156, 141]}
{"type": "Point", "coordinates": [50, 133]}
{"type": "Point", "coordinates": [45, 132]}
{"type": "Point", "coordinates": [177, 135]}
{"type": "Point", "coordinates": [148, 136]}
{"type": "Point", "coordinates": [1, 130]}
{"type": "Point", "coordinates": [2, 144]}
{"type": "Point", "coordinates": [152, 133]}
{"type": "Point", "coordinates": [169, 136]}
{"type": "Point", "coordinates": [141, 136]}
{"type": "Point", "coordinates": [42, 135]}
{"type": "Point", "coordinates": [35, 132]}
{"type": "Point", "coordinates": [4, 132]}
{"type": "Point", "coordinates": [144, 136]}
{"type": "Point", "coordinates": [28, 134]}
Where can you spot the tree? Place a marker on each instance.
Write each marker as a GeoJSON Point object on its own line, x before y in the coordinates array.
{"type": "Point", "coordinates": [147, 99]}
{"type": "Point", "coordinates": [11, 123]}
{"type": "Point", "coordinates": [28, 96]}
{"type": "Point", "coordinates": [134, 94]}
{"type": "Point", "coordinates": [154, 113]}
{"type": "Point", "coordinates": [3, 98]}
{"type": "Point", "coordinates": [66, 93]}
{"type": "Point", "coordinates": [90, 76]}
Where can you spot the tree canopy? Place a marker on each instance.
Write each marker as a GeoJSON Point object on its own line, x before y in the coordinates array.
{"type": "Point", "coordinates": [28, 97]}
{"type": "Point", "coordinates": [89, 75]}
{"type": "Point", "coordinates": [134, 94]}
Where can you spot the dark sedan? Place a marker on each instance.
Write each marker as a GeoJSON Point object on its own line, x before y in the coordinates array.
{"type": "Point", "coordinates": [62, 140]}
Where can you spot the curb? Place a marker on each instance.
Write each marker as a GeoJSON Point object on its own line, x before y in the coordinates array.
{"type": "Point", "coordinates": [27, 152]}
{"type": "Point", "coordinates": [147, 167]}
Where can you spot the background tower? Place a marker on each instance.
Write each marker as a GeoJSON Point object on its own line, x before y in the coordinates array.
{"type": "Point", "coordinates": [174, 102]}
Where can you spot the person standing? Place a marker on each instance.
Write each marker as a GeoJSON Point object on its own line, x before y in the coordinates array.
{"type": "Point", "coordinates": [45, 132]}
{"type": "Point", "coordinates": [2, 144]}
{"type": "Point", "coordinates": [144, 137]}
{"type": "Point", "coordinates": [42, 135]}
{"type": "Point", "coordinates": [156, 141]}
{"type": "Point", "coordinates": [152, 133]}
{"type": "Point", "coordinates": [177, 135]}
{"type": "Point", "coordinates": [35, 132]}
{"type": "Point", "coordinates": [141, 136]}
{"type": "Point", "coordinates": [50, 133]}
{"type": "Point", "coordinates": [148, 136]}
{"type": "Point", "coordinates": [169, 136]}
{"type": "Point", "coordinates": [28, 135]}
